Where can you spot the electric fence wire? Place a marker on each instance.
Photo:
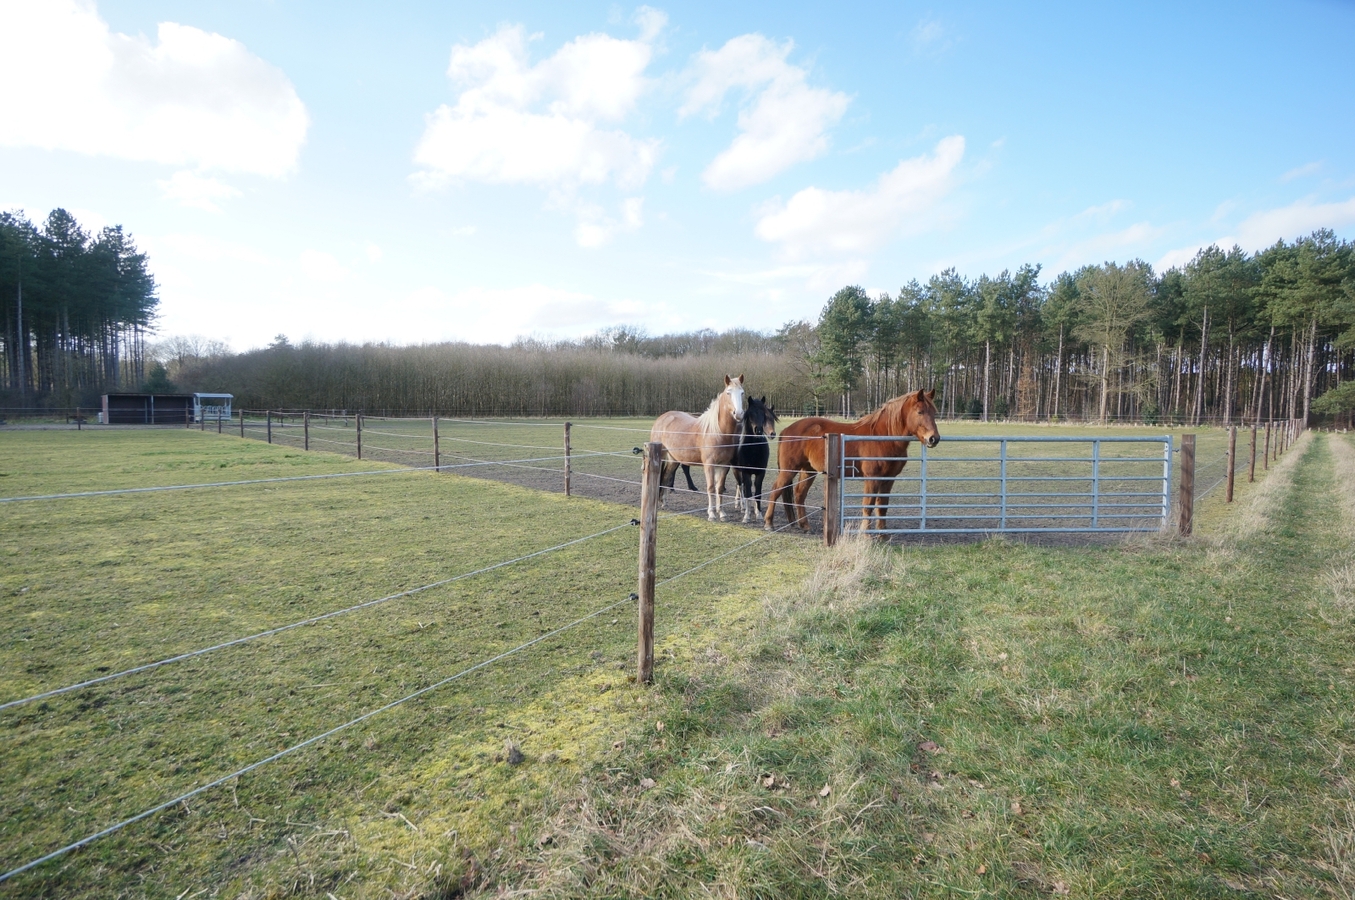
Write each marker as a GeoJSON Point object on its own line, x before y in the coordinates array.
{"type": "Point", "coordinates": [188, 795]}
{"type": "Point", "coordinates": [213, 484]}
{"type": "Point", "coordinates": [310, 621]}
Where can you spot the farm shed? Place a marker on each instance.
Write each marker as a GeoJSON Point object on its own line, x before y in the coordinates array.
{"type": "Point", "coordinates": [208, 407]}
{"type": "Point", "coordinates": [146, 409]}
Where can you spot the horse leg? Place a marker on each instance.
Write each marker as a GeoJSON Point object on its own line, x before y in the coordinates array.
{"type": "Point", "coordinates": [750, 507]}
{"type": "Point", "coordinates": [779, 489]}
{"type": "Point", "coordinates": [755, 480]}
{"type": "Point", "coordinates": [666, 476]}
{"type": "Point", "coordinates": [687, 470]}
{"type": "Point", "coordinates": [711, 507]}
{"type": "Point", "coordinates": [722, 473]}
{"type": "Point", "coordinates": [802, 486]}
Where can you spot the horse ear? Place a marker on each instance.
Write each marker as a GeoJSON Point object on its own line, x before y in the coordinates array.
{"type": "Point", "coordinates": [764, 399]}
{"type": "Point", "coordinates": [726, 380]}
{"type": "Point", "coordinates": [921, 395]}
{"type": "Point", "coordinates": [931, 395]}
{"type": "Point", "coordinates": [740, 378]}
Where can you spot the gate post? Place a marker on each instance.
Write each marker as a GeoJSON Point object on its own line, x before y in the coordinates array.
{"type": "Point", "coordinates": [567, 466]}
{"type": "Point", "coordinates": [1251, 468]}
{"type": "Point", "coordinates": [1186, 521]}
{"type": "Point", "coordinates": [649, 526]}
{"type": "Point", "coordinates": [437, 447]}
{"type": "Point", "coordinates": [832, 489]}
{"type": "Point", "coordinates": [1232, 462]}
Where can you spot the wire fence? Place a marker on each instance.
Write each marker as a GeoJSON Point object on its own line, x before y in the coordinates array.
{"type": "Point", "coordinates": [410, 440]}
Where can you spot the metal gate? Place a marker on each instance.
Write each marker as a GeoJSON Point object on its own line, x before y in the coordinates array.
{"type": "Point", "coordinates": [983, 485]}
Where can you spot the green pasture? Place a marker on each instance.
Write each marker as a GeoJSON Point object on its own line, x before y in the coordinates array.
{"type": "Point", "coordinates": [98, 584]}
{"type": "Point", "coordinates": [1158, 718]}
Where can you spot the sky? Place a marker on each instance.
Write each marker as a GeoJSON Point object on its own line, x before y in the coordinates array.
{"type": "Point", "coordinates": [421, 172]}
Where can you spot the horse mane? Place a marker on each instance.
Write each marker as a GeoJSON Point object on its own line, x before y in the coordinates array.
{"type": "Point", "coordinates": [709, 421]}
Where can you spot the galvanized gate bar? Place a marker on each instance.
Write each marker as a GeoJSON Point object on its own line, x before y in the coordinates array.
{"type": "Point", "coordinates": [1108, 499]}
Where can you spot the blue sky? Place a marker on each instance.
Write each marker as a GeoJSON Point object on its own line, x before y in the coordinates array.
{"type": "Point", "coordinates": [422, 172]}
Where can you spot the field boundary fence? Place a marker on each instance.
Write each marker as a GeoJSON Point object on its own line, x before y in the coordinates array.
{"type": "Point", "coordinates": [643, 598]}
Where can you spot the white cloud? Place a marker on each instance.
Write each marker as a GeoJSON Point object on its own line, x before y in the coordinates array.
{"type": "Point", "coordinates": [199, 191]}
{"type": "Point", "coordinates": [477, 314]}
{"type": "Point", "coordinates": [595, 228]}
{"type": "Point", "coordinates": [518, 123]}
{"type": "Point", "coordinates": [1262, 229]}
{"type": "Point", "coordinates": [189, 98]}
{"type": "Point", "coordinates": [1300, 218]}
{"type": "Point", "coordinates": [465, 231]}
{"type": "Point", "coordinates": [202, 249]}
{"type": "Point", "coordinates": [783, 122]}
{"type": "Point", "coordinates": [854, 222]}
{"type": "Point", "coordinates": [320, 266]}
{"type": "Point", "coordinates": [1101, 247]}
{"type": "Point", "coordinates": [930, 36]}
{"type": "Point", "coordinates": [374, 253]}
{"type": "Point", "coordinates": [1311, 168]}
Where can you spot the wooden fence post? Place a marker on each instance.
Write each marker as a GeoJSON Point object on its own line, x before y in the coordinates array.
{"type": "Point", "coordinates": [649, 526]}
{"type": "Point", "coordinates": [306, 429]}
{"type": "Point", "coordinates": [269, 413]}
{"type": "Point", "coordinates": [1251, 468]}
{"type": "Point", "coordinates": [1186, 521]}
{"type": "Point", "coordinates": [567, 466]}
{"type": "Point", "coordinates": [202, 423]}
{"type": "Point", "coordinates": [358, 420]}
{"type": "Point", "coordinates": [218, 421]}
{"type": "Point", "coordinates": [832, 489]}
{"type": "Point", "coordinates": [1265, 457]}
{"type": "Point", "coordinates": [187, 418]}
{"type": "Point", "coordinates": [242, 423]}
{"type": "Point", "coordinates": [1232, 462]}
{"type": "Point", "coordinates": [437, 447]}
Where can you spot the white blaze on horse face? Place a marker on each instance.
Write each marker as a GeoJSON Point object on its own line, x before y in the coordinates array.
{"type": "Point", "coordinates": [736, 394]}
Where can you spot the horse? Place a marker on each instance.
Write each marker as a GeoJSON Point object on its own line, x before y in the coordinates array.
{"type": "Point", "coordinates": [710, 440]}
{"type": "Point", "coordinates": [750, 458]}
{"type": "Point", "coordinates": [800, 455]}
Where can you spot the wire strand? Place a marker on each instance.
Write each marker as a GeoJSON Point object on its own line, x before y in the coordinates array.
{"type": "Point", "coordinates": [310, 621]}
{"type": "Point", "coordinates": [306, 743]}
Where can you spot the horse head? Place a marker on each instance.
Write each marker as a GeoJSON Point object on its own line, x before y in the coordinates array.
{"type": "Point", "coordinates": [737, 401]}
{"type": "Point", "coordinates": [761, 418]}
{"type": "Point", "coordinates": [917, 417]}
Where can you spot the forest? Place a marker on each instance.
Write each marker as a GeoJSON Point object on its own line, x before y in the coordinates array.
{"type": "Point", "coordinates": [1227, 338]}
{"type": "Point", "coordinates": [78, 311]}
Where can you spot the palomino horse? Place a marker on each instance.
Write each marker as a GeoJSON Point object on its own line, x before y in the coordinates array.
{"type": "Point", "coordinates": [800, 455]}
{"type": "Point", "coordinates": [750, 459]}
{"type": "Point", "coordinates": [710, 440]}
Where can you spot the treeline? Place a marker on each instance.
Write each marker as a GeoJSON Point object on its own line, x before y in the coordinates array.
{"type": "Point", "coordinates": [1226, 338]}
{"type": "Point", "coordinates": [528, 379]}
{"type": "Point", "coordinates": [77, 311]}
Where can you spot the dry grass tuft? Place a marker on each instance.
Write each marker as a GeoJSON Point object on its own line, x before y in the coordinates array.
{"type": "Point", "coordinates": [848, 576]}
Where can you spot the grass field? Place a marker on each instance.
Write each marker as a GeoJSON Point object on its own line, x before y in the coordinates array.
{"type": "Point", "coordinates": [1162, 718]}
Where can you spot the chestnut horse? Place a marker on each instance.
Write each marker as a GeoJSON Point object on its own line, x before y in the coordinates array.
{"type": "Point", "coordinates": [710, 440]}
{"type": "Point", "coordinates": [800, 455]}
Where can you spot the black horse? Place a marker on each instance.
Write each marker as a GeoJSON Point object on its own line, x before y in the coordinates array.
{"type": "Point", "coordinates": [750, 460]}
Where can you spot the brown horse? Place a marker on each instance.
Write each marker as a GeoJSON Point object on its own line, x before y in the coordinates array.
{"type": "Point", "coordinates": [800, 455]}
{"type": "Point", "coordinates": [711, 440]}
